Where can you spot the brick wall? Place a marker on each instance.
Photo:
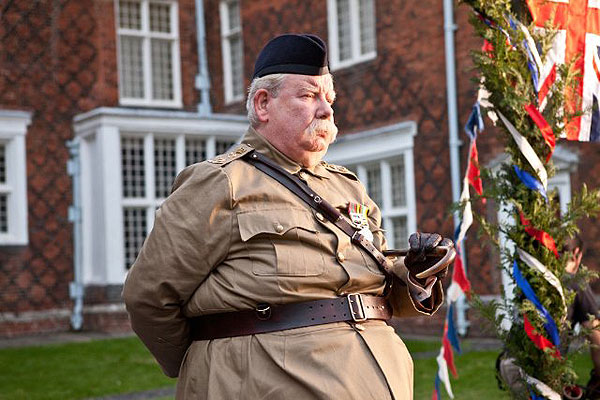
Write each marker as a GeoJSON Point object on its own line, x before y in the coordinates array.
{"type": "Point", "coordinates": [59, 59]}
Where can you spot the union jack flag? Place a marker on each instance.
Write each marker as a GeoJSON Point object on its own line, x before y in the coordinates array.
{"type": "Point", "coordinates": [578, 38]}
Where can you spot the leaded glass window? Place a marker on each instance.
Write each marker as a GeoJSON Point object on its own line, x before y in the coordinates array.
{"type": "Point", "coordinates": [233, 50]}
{"type": "Point", "coordinates": [148, 52]}
{"type": "Point", "coordinates": [352, 31]}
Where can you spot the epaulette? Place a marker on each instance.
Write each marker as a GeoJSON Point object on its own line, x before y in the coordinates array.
{"type": "Point", "coordinates": [234, 154]}
{"type": "Point", "coordinates": [339, 169]}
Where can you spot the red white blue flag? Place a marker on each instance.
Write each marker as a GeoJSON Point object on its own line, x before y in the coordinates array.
{"type": "Point", "coordinates": [578, 39]}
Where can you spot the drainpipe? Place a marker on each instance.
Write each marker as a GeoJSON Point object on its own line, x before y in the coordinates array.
{"type": "Point", "coordinates": [76, 287]}
{"type": "Point", "coordinates": [202, 79]}
{"type": "Point", "coordinates": [454, 142]}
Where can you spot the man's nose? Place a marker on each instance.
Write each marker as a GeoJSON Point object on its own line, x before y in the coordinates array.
{"type": "Point", "coordinates": [325, 111]}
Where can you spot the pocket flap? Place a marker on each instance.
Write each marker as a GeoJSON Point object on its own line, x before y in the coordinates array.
{"type": "Point", "coordinates": [274, 221]}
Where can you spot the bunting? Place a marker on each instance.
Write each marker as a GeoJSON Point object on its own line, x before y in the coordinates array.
{"type": "Point", "coordinates": [544, 127]}
{"type": "Point", "coordinates": [540, 341]}
{"type": "Point", "coordinates": [473, 172]}
{"type": "Point", "coordinates": [525, 287]}
{"type": "Point", "coordinates": [535, 264]}
{"type": "Point", "coordinates": [538, 234]}
{"type": "Point", "coordinates": [443, 372]}
{"type": "Point", "coordinates": [527, 151]}
{"type": "Point", "coordinates": [529, 181]}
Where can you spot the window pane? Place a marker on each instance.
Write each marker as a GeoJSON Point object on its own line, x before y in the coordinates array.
{"type": "Point", "coordinates": [165, 167]}
{"type": "Point", "coordinates": [132, 160]}
{"type": "Point", "coordinates": [400, 232]}
{"type": "Point", "coordinates": [233, 13]}
{"type": "Point", "coordinates": [162, 70]}
{"type": "Point", "coordinates": [367, 26]}
{"type": "Point", "coordinates": [134, 228]}
{"type": "Point", "coordinates": [130, 15]}
{"type": "Point", "coordinates": [398, 183]}
{"type": "Point", "coordinates": [160, 18]}
{"type": "Point", "coordinates": [343, 25]}
{"type": "Point", "coordinates": [223, 145]}
{"type": "Point", "coordinates": [2, 163]}
{"type": "Point", "coordinates": [131, 68]}
{"type": "Point", "coordinates": [195, 150]}
{"type": "Point", "coordinates": [237, 65]}
{"type": "Point", "coordinates": [374, 183]}
{"type": "Point", "coordinates": [3, 213]}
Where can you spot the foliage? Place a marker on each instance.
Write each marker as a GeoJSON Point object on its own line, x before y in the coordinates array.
{"type": "Point", "coordinates": [504, 73]}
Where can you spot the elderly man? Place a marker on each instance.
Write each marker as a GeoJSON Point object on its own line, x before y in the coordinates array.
{"type": "Point", "coordinates": [264, 276]}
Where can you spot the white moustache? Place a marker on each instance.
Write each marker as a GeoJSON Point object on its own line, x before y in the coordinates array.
{"type": "Point", "coordinates": [323, 125]}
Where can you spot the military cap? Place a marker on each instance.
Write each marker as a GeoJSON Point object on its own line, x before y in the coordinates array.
{"type": "Point", "coordinates": [292, 53]}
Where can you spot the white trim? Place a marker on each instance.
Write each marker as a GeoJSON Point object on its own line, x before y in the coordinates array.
{"type": "Point", "coordinates": [381, 145]}
{"type": "Point", "coordinates": [332, 25]}
{"type": "Point", "coordinates": [227, 33]}
{"type": "Point", "coordinates": [13, 128]}
{"type": "Point", "coordinates": [146, 35]}
{"type": "Point", "coordinates": [101, 131]}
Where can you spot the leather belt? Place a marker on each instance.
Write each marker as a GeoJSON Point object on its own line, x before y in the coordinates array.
{"type": "Point", "coordinates": [354, 307]}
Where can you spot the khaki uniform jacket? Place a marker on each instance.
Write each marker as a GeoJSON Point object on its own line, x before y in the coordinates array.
{"type": "Point", "coordinates": [230, 237]}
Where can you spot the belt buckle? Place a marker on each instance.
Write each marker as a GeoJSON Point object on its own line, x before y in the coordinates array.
{"type": "Point", "coordinates": [358, 312]}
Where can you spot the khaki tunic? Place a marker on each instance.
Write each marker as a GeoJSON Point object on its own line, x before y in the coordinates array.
{"type": "Point", "coordinates": [230, 237]}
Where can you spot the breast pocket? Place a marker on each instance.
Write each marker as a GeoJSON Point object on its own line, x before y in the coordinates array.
{"type": "Point", "coordinates": [283, 242]}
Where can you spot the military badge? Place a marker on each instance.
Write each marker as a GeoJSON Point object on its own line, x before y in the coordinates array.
{"type": "Point", "coordinates": [358, 216]}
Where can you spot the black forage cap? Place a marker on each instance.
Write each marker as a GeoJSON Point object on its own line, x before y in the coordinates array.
{"type": "Point", "coordinates": [292, 53]}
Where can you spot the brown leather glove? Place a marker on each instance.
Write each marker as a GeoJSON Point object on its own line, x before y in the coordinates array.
{"type": "Point", "coordinates": [429, 255]}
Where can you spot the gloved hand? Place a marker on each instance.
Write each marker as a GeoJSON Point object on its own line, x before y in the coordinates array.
{"type": "Point", "coordinates": [429, 255]}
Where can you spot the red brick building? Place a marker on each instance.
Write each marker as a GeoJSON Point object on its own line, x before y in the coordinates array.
{"type": "Point", "coordinates": [142, 88]}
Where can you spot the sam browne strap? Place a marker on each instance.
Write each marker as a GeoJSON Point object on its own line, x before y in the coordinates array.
{"type": "Point", "coordinates": [310, 197]}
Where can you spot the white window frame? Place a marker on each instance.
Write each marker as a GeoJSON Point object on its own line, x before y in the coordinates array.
{"type": "Point", "coordinates": [379, 146]}
{"type": "Point", "coordinates": [13, 128]}
{"type": "Point", "coordinates": [332, 23]}
{"type": "Point", "coordinates": [100, 132]}
{"type": "Point", "coordinates": [226, 35]}
{"type": "Point", "coordinates": [146, 35]}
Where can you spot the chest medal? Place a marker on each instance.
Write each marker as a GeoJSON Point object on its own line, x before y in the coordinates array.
{"type": "Point", "coordinates": [358, 216]}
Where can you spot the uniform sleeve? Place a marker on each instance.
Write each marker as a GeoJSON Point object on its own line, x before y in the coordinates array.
{"type": "Point", "coordinates": [191, 235]}
{"type": "Point", "coordinates": [402, 299]}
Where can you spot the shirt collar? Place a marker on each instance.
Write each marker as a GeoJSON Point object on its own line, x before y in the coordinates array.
{"type": "Point", "coordinates": [262, 145]}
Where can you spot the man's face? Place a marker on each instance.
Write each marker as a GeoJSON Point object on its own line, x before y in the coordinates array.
{"type": "Point", "coordinates": [300, 119]}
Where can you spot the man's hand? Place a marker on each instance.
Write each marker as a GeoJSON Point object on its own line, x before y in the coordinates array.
{"type": "Point", "coordinates": [429, 255]}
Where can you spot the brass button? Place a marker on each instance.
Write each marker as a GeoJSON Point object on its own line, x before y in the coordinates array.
{"type": "Point", "coordinates": [341, 257]}
{"type": "Point", "coordinates": [320, 217]}
{"type": "Point", "coordinates": [302, 175]}
{"type": "Point", "coordinates": [279, 228]}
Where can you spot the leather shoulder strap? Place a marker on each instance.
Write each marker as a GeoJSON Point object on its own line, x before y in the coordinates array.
{"type": "Point", "coordinates": [304, 192]}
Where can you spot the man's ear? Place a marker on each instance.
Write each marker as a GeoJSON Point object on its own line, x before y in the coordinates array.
{"type": "Point", "coordinates": [261, 102]}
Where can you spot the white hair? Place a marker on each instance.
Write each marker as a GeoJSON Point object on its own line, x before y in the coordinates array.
{"type": "Point", "coordinates": [271, 83]}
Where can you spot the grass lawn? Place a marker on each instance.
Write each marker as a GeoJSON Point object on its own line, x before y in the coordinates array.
{"type": "Point", "coordinates": [78, 370]}
{"type": "Point", "coordinates": [108, 367]}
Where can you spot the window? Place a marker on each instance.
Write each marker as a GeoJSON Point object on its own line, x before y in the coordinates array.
{"type": "Point", "coordinates": [233, 53]}
{"type": "Point", "coordinates": [352, 34]}
{"type": "Point", "coordinates": [148, 53]}
{"type": "Point", "coordinates": [149, 165]}
{"type": "Point", "coordinates": [383, 161]}
{"type": "Point", "coordinates": [13, 179]}
{"type": "Point", "coordinates": [384, 181]}
{"type": "Point", "coordinates": [129, 160]}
